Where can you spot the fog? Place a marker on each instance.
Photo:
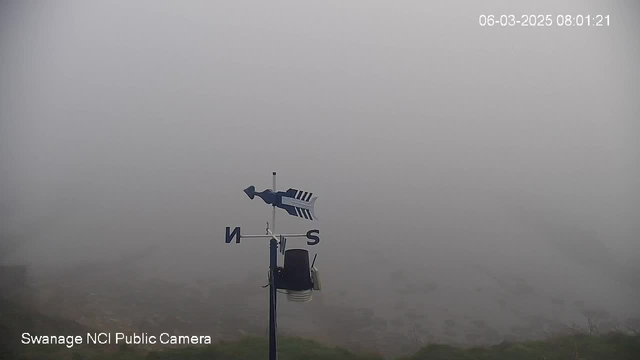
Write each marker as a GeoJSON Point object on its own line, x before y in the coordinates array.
{"type": "Point", "coordinates": [493, 169]}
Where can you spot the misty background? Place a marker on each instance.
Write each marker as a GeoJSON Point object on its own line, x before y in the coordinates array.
{"type": "Point", "coordinates": [463, 160]}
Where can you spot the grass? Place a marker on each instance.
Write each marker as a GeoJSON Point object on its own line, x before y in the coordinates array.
{"type": "Point", "coordinates": [582, 347]}
{"type": "Point", "coordinates": [15, 319]}
{"type": "Point", "coordinates": [612, 346]}
{"type": "Point", "coordinates": [248, 348]}
{"type": "Point", "coordinates": [253, 348]}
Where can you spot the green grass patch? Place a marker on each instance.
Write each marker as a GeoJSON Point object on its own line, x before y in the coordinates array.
{"type": "Point", "coordinates": [583, 347]}
{"type": "Point", "coordinates": [254, 348]}
{"type": "Point", "coordinates": [613, 346]}
{"type": "Point", "coordinates": [16, 319]}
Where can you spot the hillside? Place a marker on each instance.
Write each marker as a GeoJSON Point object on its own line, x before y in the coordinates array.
{"type": "Point", "coordinates": [15, 319]}
{"type": "Point", "coordinates": [584, 347]}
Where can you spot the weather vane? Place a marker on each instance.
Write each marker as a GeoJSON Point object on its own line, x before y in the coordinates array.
{"type": "Point", "coordinates": [297, 277]}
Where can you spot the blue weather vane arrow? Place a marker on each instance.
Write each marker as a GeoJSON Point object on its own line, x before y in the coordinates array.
{"type": "Point", "coordinates": [295, 202]}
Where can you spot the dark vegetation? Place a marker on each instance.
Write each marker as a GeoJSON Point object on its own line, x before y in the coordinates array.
{"type": "Point", "coordinates": [15, 319]}
{"type": "Point", "coordinates": [612, 346]}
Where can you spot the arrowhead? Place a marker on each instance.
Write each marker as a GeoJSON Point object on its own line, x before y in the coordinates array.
{"type": "Point", "coordinates": [250, 191]}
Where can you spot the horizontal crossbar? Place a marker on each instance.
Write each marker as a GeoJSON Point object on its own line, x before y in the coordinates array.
{"type": "Point", "coordinates": [270, 236]}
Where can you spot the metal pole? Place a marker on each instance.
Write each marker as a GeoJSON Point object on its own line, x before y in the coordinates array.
{"type": "Point", "coordinates": [273, 341]}
{"type": "Point", "coordinates": [273, 264]}
{"type": "Point", "coordinates": [273, 214]}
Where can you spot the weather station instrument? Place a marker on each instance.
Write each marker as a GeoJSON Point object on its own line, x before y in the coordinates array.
{"type": "Point", "coordinates": [296, 277]}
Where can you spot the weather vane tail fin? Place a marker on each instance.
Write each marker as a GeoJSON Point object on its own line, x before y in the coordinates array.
{"type": "Point", "coordinates": [312, 207]}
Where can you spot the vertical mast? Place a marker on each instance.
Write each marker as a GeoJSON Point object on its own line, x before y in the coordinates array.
{"type": "Point", "coordinates": [273, 215]}
{"type": "Point", "coordinates": [273, 292]}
